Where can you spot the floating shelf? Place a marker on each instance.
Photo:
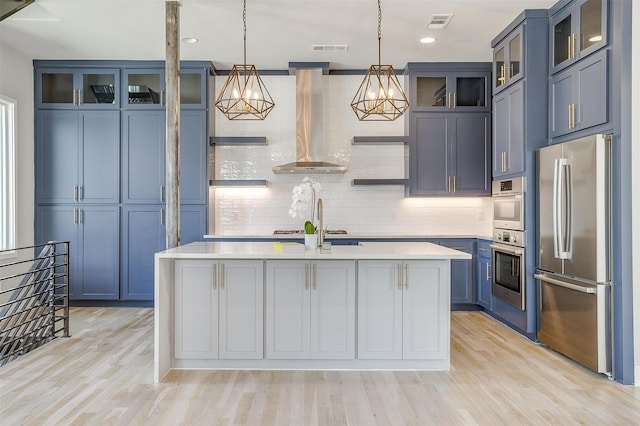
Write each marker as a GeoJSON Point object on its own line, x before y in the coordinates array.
{"type": "Point", "coordinates": [238, 140]}
{"type": "Point", "coordinates": [368, 182]}
{"type": "Point", "coordinates": [239, 183]}
{"type": "Point", "coordinates": [378, 140]}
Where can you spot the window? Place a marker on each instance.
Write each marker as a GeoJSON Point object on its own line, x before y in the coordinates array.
{"type": "Point", "coordinates": [7, 172]}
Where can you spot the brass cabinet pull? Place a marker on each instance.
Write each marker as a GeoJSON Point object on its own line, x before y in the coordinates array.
{"type": "Point", "coordinates": [454, 183]}
{"type": "Point", "coordinates": [75, 192]}
{"type": "Point", "coordinates": [406, 276]}
{"type": "Point", "coordinates": [306, 276]}
{"type": "Point", "coordinates": [80, 220]}
{"type": "Point", "coordinates": [455, 102]}
{"type": "Point", "coordinates": [448, 183]}
{"type": "Point", "coordinates": [222, 277]}
{"type": "Point", "coordinates": [399, 277]}
{"type": "Point", "coordinates": [575, 107]}
{"type": "Point", "coordinates": [75, 216]}
{"type": "Point", "coordinates": [569, 115]}
{"type": "Point", "coordinates": [315, 276]}
{"type": "Point", "coordinates": [215, 277]}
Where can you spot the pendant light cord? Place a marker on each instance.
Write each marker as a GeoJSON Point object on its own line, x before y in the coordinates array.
{"type": "Point", "coordinates": [379, 31]}
{"type": "Point", "coordinates": [244, 26]}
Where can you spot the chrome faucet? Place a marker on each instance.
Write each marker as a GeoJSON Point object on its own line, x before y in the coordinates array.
{"type": "Point", "coordinates": [320, 224]}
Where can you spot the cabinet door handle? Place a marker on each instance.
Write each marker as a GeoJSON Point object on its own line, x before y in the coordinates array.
{"type": "Point", "coordinates": [455, 102]}
{"type": "Point", "coordinates": [448, 183]}
{"type": "Point", "coordinates": [161, 97]}
{"type": "Point", "coordinates": [488, 269]}
{"type": "Point", "coordinates": [75, 192]}
{"type": "Point", "coordinates": [306, 276]}
{"type": "Point", "coordinates": [222, 277]}
{"type": "Point", "coordinates": [575, 109]}
{"type": "Point", "coordinates": [483, 249]}
{"type": "Point", "coordinates": [161, 216]}
{"type": "Point", "coordinates": [399, 277]}
{"type": "Point", "coordinates": [80, 219]}
{"type": "Point", "coordinates": [454, 183]}
{"type": "Point", "coordinates": [569, 42]}
{"type": "Point", "coordinates": [162, 193]}
{"type": "Point", "coordinates": [215, 277]}
{"type": "Point", "coordinates": [75, 216]}
{"type": "Point", "coordinates": [406, 276]}
{"type": "Point", "coordinates": [315, 276]}
{"type": "Point", "coordinates": [74, 97]}
{"type": "Point", "coordinates": [573, 45]}
{"type": "Point", "coordinates": [81, 192]}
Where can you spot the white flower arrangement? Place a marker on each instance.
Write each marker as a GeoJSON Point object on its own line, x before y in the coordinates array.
{"type": "Point", "coordinates": [303, 198]}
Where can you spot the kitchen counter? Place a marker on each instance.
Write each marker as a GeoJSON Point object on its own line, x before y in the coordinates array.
{"type": "Point", "coordinates": [349, 236]}
{"type": "Point", "coordinates": [225, 305]}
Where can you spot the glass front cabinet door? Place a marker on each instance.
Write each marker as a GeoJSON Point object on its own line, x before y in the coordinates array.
{"type": "Point", "coordinates": [77, 88]}
{"type": "Point", "coordinates": [451, 91]}
{"type": "Point", "coordinates": [507, 60]}
{"type": "Point", "coordinates": [143, 88]}
{"type": "Point", "coordinates": [577, 31]}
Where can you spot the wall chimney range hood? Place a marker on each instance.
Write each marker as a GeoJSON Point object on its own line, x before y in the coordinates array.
{"type": "Point", "coordinates": [309, 129]}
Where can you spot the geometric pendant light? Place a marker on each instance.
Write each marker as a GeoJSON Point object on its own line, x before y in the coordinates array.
{"type": "Point", "coordinates": [380, 96]}
{"type": "Point", "coordinates": [244, 95]}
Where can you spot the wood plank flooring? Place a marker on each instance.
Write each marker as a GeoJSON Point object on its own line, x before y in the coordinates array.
{"type": "Point", "coordinates": [103, 375]}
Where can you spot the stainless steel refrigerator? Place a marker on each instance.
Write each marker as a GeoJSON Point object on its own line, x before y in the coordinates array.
{"type": "Point", "coordinates": [574, 250]}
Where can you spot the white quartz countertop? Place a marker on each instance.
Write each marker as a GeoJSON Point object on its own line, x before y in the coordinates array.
{"type": "Point", "coordinates": [349, 236]}
{"type": "Point", "coordinates": [267, 250]}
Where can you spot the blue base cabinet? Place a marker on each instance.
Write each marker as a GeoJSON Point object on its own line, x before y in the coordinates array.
{"type": "Point", "coordinates": [484, 275]}
{"type": "Point", "coordinates": [93, 233]}
{"type": "Point", "coordinates": [462, 276]}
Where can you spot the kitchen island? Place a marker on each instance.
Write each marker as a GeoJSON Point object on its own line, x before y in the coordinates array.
{"type": "Point", "coordinates": [266, 306]}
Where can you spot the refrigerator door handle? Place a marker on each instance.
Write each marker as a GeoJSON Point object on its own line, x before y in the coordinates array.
{"type": "Point", "coordinates": [555, 208]}
{"type": "Point", "coordinates": [582, 289]}
{"type": "Point", "coordinates": [568, 211]}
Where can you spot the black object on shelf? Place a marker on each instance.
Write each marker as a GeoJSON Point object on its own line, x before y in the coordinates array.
{"type": "Point", "coordinates": [143, 95]}
{"type": "Point", "coordinates": [104, 93]}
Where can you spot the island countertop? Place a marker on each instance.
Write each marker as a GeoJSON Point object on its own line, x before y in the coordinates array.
{"type": "Point", "coordinates": [267, 250]}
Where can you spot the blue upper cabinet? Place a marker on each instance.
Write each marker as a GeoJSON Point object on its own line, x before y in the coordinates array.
{"type": "Point", "coordinates": [193, 87]}
{"type": "Point", "coordinates": [508, 57]}
{"type": "Point", "coordinates": [576, 31]}
{"type": "Point", "coordinates": [143, 88]}
{"type": "Point", "coordinates": [74, 88]}
{"type": "Point", "coordinates": [77, 156]}
{"type": "Point", "coordinates": [520, 93]}
{"type": "Point", "coordinates": [578, 96]}
{"type": "Point", "coordinates": [449, 87]}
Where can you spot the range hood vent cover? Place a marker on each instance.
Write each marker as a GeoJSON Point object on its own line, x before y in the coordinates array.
{"type": "Point", "coordinates": [309, 133]}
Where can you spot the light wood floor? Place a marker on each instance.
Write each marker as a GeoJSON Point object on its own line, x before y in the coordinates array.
{"type": "Point", "coordinates": [103, 375]}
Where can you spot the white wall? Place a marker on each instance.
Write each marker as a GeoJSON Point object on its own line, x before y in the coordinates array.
{"type": "Point", "coordinates": [375, 209]}
{"type": "Point", "coordinates": [635, 178]}
{"type": "Point", "coordinates": [16, 81]}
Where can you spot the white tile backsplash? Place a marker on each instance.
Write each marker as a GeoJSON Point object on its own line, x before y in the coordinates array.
{"type": "Point", "coordinates": [358, 209]}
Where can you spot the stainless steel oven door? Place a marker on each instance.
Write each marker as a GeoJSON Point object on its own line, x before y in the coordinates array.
{"type": "Point", "coordinates": [508, 274]}
{"type": "Point", "coordinates": [508, 212]}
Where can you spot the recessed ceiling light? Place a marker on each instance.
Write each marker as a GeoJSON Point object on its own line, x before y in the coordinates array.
{"type": "Point", "coordinates": [427, 40]}
{"type": "Point", "coordinates": [190, 40]}
{"type": "Point", "coordinates": [595, 38]}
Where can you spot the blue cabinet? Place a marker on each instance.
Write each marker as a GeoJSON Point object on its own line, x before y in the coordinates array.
{"type": "Point", "coordinates": [576, 31]}
{"type": "Point", "coordinates": [143, 135]}
{"type": "Point", "coordinates": [520, 98]}
{"type": "Point", "coordinates": [484, 275]}
{"type": "Point", "coordinates": [449, 87]}
{"type": "Point", "coordinates": [508, 131]}
{"type": "Point", "coordinates": [462, 277]}
{"type": "Point", "coordinates": [143, 88]}
{"type": "Point", "coordinates": [93, 233]}
{"type": "Point", "coordinates": [449, 154]}
{"type": "Point", "coordinates": [77, 156]}
{"type": "Point", "coordinates": [143, 235]}
{"type": "Point", "coordinates": [578, 96]}
{"type": "Point", "coordinates": [76, 87]}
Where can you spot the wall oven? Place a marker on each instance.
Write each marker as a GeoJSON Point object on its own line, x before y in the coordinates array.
{"type": "Point", "coordinates": [508, 254]}
{"type": "Point", "coordinates": [508, 203]}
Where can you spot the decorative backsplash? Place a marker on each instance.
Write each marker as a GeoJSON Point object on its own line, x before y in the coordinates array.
{"type": "Point", "coordinates": [358, 209]}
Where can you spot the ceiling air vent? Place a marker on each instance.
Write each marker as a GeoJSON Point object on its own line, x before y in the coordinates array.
{"type": "Point", "coordinates": [439, 21]}
{"type": "Point", "coordinates": [330, 47]}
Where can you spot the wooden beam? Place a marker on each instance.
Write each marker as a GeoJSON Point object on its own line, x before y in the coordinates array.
{"type": "Point", "coordinates": [172, 84]}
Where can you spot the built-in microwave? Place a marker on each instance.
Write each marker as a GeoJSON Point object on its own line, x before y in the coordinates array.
{"type": "Point", "coordinates": [508, 203]}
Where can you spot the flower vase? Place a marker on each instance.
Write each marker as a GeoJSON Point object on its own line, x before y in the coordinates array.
{"type": "Point", "coordinates": [311, 241]}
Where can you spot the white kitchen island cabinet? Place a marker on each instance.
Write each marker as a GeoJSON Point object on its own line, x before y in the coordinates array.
{"type": "Point", "coordinates": [247, 306]}
{"type": "Point", "coordinates": [310, 309]}
{"type": "Point", "coordinates": [400, 309]}
{"type": "Point", "coordinates": [218, 309]}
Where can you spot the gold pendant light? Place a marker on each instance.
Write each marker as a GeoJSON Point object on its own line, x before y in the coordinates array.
{"type": "Point", "coordinates": [244, 95]}
{"type": "Point", "coordinates": [380, 96]}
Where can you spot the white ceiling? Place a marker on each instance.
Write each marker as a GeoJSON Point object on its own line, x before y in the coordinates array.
{"type": "Point", "coordinates": [278, 31]}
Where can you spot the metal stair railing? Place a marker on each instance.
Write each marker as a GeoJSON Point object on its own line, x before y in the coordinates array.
{"type": "Point", "coordinates": [36, 310]}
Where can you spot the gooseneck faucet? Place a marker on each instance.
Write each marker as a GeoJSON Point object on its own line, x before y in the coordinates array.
{"type": "Point", "coordinates": [320, 224]}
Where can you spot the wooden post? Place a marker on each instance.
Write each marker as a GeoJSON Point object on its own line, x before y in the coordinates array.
{"type": "Point", "coordinates": [172, 83]}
